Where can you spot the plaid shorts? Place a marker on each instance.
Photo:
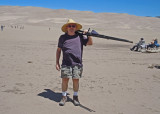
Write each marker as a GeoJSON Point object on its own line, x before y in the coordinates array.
{"type": "Point", "coordinates": [74, 72]}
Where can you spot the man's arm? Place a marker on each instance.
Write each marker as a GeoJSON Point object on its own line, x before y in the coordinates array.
{"type": "Point", "coordinates": [90, 42]}
{"type": "Point", "coordinates": [58, 54]}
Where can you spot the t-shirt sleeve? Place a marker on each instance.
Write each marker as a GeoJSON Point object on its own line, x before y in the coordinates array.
{"type": "Point", "coordinates": [84, 40]}
{"type": "Point", "coordinates": [60, 42]}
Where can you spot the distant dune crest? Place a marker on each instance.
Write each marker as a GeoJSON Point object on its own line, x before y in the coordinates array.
{"type": "Point", "coordinates": [44, 16]}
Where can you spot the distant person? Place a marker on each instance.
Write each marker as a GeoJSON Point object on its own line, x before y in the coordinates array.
{"type": "Point", "coordinates": [156, 42]}
{"type": "Point", "coordinates": [140, 44]}
{"type": "Point", "coordinates": [151, 45]}
{"type": "Point", "coordinates": [71, 44]}
{"type": "Point", "coordinates": [2, 27]}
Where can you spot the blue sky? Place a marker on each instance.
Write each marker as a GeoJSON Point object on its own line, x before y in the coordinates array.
{"type": "Point", "coordinates": [132, 7]}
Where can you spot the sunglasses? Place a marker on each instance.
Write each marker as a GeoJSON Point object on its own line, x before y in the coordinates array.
{"type": "Point", "coordinates": [73, 26]}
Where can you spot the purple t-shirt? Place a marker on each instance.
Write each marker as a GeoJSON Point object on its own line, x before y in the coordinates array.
{"type": "Point", "coordinates": [72, 48]}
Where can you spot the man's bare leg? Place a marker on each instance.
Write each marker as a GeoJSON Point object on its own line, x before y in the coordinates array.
{"type": "Point", "coordinates": [65, 84]}
{"type": "Point", "coordinates": [64, 91]}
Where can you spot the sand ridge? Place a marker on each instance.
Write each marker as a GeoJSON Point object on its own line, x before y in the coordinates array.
{"type": "Point", "coordinates": [115, 80]}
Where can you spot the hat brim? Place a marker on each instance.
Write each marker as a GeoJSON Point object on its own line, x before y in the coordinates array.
{"type": "Point", "coordinates": [64, 27]}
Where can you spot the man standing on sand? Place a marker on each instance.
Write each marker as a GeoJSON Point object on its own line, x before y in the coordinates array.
{"type": "Point", "coordinates": [71, 44]}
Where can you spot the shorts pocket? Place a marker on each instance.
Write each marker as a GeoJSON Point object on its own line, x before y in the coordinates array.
{"type": "Point", "coordinates": [77, 72]}
{"type": "Point", "coordinates": [66, 71]}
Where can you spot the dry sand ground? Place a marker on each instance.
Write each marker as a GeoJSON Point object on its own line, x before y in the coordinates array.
{"type": "Point", "coordinates": [115, 80]}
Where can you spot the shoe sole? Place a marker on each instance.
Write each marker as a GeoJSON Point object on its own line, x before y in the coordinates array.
{"type": "Point", "coordinates": [75, 104]}
{"type": "Point", "coordinates": [61, 104]}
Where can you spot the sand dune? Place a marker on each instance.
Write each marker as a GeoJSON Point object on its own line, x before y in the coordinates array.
{"type": "Point", "coordinates": [115, 80]}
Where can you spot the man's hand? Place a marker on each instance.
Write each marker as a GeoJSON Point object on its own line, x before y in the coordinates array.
{"type": "Point", "coordinates": [90, 42]}
{"type": "Point", "coordinates": [58, 67]}
{"type": "Point", "coordinates": [85, 31]}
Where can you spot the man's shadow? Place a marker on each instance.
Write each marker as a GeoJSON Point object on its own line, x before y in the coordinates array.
{"type": "Point", "coordinates": [57, 98]}
{"type": "Point", "coordinates": [51, 95]}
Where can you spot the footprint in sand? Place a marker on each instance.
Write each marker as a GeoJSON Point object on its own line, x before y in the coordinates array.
{"type": "Point", "coordinates": [15, 90]}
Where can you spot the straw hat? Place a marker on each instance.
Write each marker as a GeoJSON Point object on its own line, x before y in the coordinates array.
{"type": "Point", "coordinates": [71, 21]}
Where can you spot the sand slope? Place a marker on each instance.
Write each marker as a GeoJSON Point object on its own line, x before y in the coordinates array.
{"type": "Point", "coordinates": [115, 80]}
